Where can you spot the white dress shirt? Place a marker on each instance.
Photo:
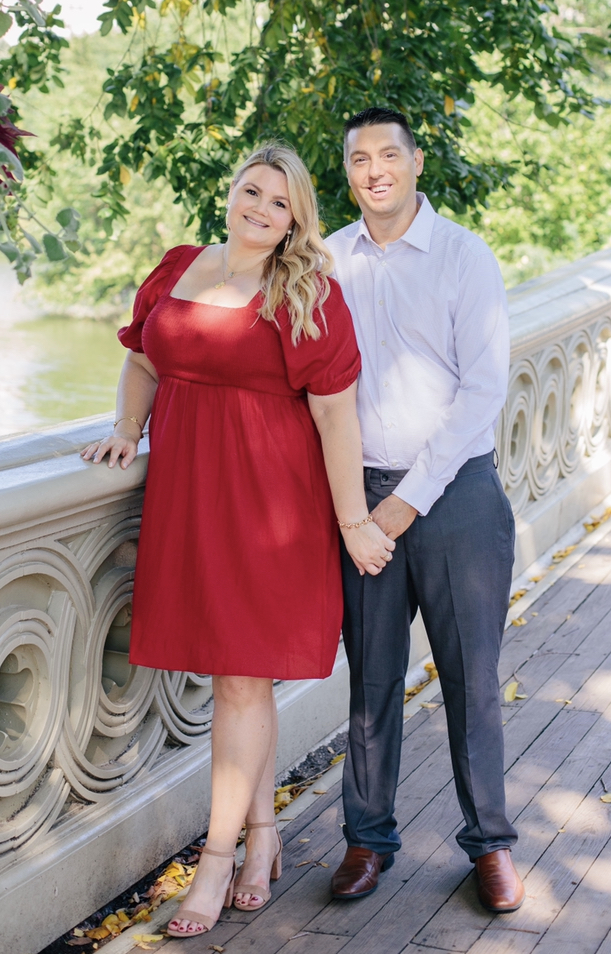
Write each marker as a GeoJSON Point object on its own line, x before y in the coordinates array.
{"type": "Point", "coordinates": [430, 315]}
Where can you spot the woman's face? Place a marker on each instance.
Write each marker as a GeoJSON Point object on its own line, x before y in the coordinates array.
{"type": "Point", "coordinates": [259, 212]}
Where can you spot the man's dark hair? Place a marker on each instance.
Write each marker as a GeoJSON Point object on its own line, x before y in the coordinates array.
{"type": "Point", "coordinates": [377, 116]}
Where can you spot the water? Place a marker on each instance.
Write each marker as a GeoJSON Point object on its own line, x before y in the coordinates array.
{"type": "Point", "coordinates": [52, 369]}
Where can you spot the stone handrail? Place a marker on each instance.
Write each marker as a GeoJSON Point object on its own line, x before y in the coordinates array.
{"type": "Point", "coordinates": [96, 755]}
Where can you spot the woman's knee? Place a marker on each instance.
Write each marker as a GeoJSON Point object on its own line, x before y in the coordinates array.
{"type": "Point", "coordinates": [242, 691]}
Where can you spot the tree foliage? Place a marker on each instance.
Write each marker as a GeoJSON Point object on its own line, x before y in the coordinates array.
{"type": "Point", "coordinates": [34, 62]}
{"type": "Point", "coordinates": [184, 105]}
{"type": "Point", "coordinates": [317, 62]}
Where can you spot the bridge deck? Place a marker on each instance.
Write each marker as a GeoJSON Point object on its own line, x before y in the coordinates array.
{"type": "Point", "coordinates": [558, 748]}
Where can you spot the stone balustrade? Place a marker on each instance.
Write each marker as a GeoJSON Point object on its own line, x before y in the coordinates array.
{"type": "Point", "coordinates": [104, 768]}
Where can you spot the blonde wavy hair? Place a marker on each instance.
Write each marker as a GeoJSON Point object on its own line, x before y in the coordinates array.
{"type": "Point", "coordinates": [296, 272]}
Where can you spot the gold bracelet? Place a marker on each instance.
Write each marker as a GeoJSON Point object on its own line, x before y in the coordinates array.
{"type": "Point", "coordinates": [355, 526]}
{"type": "Point", "coordinates": [134, 419]}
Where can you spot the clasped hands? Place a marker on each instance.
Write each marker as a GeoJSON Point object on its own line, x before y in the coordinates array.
{"type": "Point", "coordinates": [372, 544]}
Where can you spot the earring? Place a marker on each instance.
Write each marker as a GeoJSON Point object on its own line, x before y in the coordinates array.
{"type": "Point", "coordinates": [290, 232]}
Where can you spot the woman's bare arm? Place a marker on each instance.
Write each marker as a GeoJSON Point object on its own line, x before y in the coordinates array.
{"type": "Point", "coordinates": [135, 394]}
{"type": "Point", "coordinates": [338, 426]}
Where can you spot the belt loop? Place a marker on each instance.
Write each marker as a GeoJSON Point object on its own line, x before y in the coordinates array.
{"type": "Point", "coordinates": [495, 458]}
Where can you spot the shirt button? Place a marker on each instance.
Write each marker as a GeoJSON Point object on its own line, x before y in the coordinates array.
{"type": "Point", "coordinates": [389, 425]}
{"type": "Point", "coordinates": [386, 384]}
{"type": "Point", "coordinates": [393, 463]}
{"type": "Point", "coordinates": [381, 301]}
{"type": "Point", "coordinates": [383, 344]}
{"type": "Point", "coordinates": [384, 477]}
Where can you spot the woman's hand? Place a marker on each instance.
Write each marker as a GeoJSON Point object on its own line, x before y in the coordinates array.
{"type": "Point", "coordinates": [369, 548]}
{"type": "Point", "coordinates": [117, 445]}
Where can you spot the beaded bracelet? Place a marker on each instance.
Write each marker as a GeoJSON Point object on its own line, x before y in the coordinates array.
{"type": "Point", "coordinates": [355, 526]}
{"type": "Point", "coordinates": [134, 419]}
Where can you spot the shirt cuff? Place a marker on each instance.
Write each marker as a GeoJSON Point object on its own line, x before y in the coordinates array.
{"type": "Point", "coordinates": [418, 491]}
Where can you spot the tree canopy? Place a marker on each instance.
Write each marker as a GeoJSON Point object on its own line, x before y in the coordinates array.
{"type": "Point", "coordinates": [188, 98]}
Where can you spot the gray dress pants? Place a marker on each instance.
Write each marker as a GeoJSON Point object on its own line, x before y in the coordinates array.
{"type": "Point", "coordinates": [454, 565]}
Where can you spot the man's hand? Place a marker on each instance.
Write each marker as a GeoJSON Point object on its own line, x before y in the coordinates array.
{"type": "Point", "coordinates": [394, 516]}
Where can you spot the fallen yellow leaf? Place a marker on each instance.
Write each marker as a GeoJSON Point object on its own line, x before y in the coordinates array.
{"type": "Point", "coordinates": [78, 933]}
{"type": "Point", "coordinates": [148, 937]}
{"type": "Point", "coordinates": [142, 916]}
{"type": "Point", "coordinates": [568, 702]}
{"type": "Point", "coordinates": [596, 521]}
{"type": "Point", "coordinates": [97, 934]}
{"type": "Point", "coordinates": [511, 691]}
{"type": "Point", "coordinates": [516, 596]}
{"type": "Point", "coordinates": [216, 947]}
{"type": "Point", "coordinates": [536, 579]}
{"type": "Point", "coordinates": [560, 555]}
{"type": "Point", "coordinates": [520, 621]}
{"type": "Point", "coordinates": [521, 695]}
{"type": "Point", "coordinates": [283, 799]}
{"type": "Point", "coordinates": [429, 705]}
{"type": "Point", "coordinates": [534, 614]}
{"type": "Point", "coordinates": [323, 864]}
{"type": "Point", "coordinates": [338, 759]}
{"type": "Point", "coordinates": [320, 791]}
{"type": "Point", "coordinates": [606, 798]}
{"type": "Point", "coordinates": [303, 841]}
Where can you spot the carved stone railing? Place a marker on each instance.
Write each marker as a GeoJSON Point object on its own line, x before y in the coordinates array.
{"type": "Point", "coordinates": [104, 768]}
{"type": "Point", "coordinates": [553, 436]}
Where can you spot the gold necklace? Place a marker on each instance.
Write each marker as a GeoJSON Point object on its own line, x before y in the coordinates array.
{"type": "Point", "coordinates": [228, 277]}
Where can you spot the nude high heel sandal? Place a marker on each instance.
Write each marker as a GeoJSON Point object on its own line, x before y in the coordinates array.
{"type": "Point", "coordinates": [185, 914]}
{"type": "Point", "coordinates": [256, 889]}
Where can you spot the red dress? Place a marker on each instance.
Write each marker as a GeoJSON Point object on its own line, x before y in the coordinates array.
{"type": "Point", "coordinates": [238, 565]}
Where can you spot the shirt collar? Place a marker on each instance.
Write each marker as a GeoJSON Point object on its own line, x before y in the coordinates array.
{"type": "Point", "coordinates": [420, 231]}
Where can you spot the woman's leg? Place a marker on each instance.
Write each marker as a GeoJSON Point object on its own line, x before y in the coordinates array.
{"type": "Point", "coordinates": [243, 724]}
{"type": "Point", "coordinates": [262, 843]}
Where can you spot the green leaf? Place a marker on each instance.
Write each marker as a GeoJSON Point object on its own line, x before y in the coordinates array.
{"type": "Point", "coordinates": [11, 162]}
{"type": "Point", "coordinates": [54, 248]}
{"type": "Point", "coordinates": [37, 15]}
{"type": "Point", "coordinates": [5, 104]}
{"type": "Point", "coordinates": [6, 22]}
{"type": "Point", "coordinates": [11, 251]}
{"type": "Point", "coordinates": [69, 219]}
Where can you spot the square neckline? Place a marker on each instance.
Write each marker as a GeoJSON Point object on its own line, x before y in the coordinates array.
{"type": "Point", "coordinates": [191, 301]}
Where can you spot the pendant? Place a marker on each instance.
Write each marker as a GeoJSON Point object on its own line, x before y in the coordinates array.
{"type": "Point", "coordinates": [220, 284]}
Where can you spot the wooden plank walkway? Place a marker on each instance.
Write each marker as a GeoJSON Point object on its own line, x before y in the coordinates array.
{"type": "Point", "coordinates": [558, 748]}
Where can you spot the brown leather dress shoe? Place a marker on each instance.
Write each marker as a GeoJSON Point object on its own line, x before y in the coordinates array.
{"type": "Point", "coordinates": [358, 874]}
{"type": "Point", "coordinates": [499, 888]}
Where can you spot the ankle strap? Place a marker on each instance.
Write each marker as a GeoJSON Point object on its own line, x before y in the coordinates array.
{"type": "Point", "coordinates": [260, 825]}
{"type": "Point", "coordinates": [219, 854]}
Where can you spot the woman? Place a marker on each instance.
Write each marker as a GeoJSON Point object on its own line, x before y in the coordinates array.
{"type": "Point", "coordinates": [245, 357]}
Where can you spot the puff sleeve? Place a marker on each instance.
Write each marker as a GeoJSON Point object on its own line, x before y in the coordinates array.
{"type": "Point", "coordinates": [331, 363]}
{"type": "Point", "coordinates": [147, 295]}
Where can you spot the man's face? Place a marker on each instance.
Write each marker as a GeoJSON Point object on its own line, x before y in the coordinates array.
{"type": "Point", "coordinates": [382, 170]}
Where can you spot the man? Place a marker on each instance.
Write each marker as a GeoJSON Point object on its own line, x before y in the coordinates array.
{"type": "Point", "coordinates": [430, 312]}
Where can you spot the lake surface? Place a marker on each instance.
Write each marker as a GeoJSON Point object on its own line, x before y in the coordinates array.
{"type": "Point", "coordinates": [52, 369]}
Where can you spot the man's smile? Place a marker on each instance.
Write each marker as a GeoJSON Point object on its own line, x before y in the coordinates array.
{"type": "Point", "coordinates": [380, 188]}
